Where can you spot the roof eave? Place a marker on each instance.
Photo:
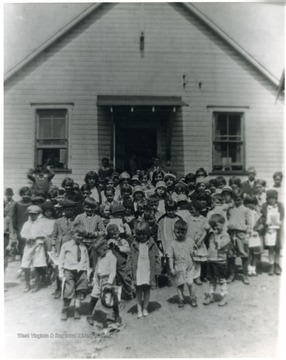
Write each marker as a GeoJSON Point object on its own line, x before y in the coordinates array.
{"type": "Point", "coordinates": [51, 40]}
{"type": "Point", "coordinates": [250, 59]}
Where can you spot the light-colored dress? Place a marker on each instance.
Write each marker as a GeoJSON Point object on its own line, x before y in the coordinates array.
{"type": "Point", "coordinates": [143, 266]}
{"type": "Point", "coordinates": [182, 254]}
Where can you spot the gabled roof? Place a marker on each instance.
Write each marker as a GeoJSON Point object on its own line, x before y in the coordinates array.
{"type": "Point", "coordinates": [187, 6]}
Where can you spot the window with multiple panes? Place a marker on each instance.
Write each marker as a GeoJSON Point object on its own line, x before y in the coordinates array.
{"type": "Point", "coordinates": [228, 141]}
{"type": "Point", "coordinates": [52, 138]}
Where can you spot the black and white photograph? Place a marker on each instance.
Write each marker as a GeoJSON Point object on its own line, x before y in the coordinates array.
{"type": "Point", "coordinates": [143, 179]}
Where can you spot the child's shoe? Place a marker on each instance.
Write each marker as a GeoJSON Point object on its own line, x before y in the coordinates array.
{"type": "Point", "coordinates": [230, 278]}
{"type": "Point", "coordinates": [209, 298]}
{"type": "Point", "coordinates": [64, 314]}
{"type": "Point", "coordinates": [198, 281]}
{"type": "Point", "coordinates": [277, 269]}
{"type": "Point", "coordinates": [194, 301]}
{"type": "Point", "coordinates": [223, 301]}
{"type": "Point", "coordinates": [89, 319]}
{"type": "Point", "coordinates": [139, 312]}
{"type": "Point", "coordinates": [245, 280]}
{"type": "Point", "coordinates": [271, 270]}
{"type": "Point", "coordinates": [181, 303]}
{"type": "Point", "coordinates": [145, 312]}
{"type": "Point", "coordinates": [76, 314]}
{"type": "Point", "coordinates": [27, 288]}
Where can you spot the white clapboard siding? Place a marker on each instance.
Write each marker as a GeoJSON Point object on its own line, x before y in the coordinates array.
{"type": "Point", "coordinates": [101, 56]}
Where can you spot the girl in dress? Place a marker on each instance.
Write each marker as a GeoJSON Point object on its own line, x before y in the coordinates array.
{"type": "Point", "coordinates": [145, 266]}
{"type": "Point", "coordinates": [272, 220]}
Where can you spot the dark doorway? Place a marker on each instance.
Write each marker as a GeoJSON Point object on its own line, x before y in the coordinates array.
{"type": "Point", "coordinates": [135, 146]}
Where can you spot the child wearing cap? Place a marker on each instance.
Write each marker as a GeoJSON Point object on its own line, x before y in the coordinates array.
{"type": "Point", "coordinates": [62, 233]}
{"type": "Point", "coordinates": [272, 222]}
{"type": "Point", "coordinates": [121, 250]}
{"type": "Point", "coordinates": [227, 198]}
{"type": "Point", "coordinates": [170, 180]}
{"type": "Point", "coordinates": [34, 255]}
{"type": "Point", "coordinates": [73, 267]}
{"type": "Point", "coordinates": [181, 262]}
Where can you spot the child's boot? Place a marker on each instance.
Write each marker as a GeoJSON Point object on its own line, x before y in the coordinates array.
{"type": "Point", "coordinates": [65, 309]}
{"type": "Point", "coordinates": [277, 269]}
{"type": "Point", "coordinates": [271, 270]}
{"type": "Point", "coordinates": [76, 313]}
{"type": "Point", "coordinates": [245, 270]}
{"type": "Point", "coordinates": [27, 273]}
{"type": "Point", "coordinates": [231, 269]}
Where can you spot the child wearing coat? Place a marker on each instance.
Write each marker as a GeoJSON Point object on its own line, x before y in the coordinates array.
{"type": "Point", "coordinates": [145, 266]}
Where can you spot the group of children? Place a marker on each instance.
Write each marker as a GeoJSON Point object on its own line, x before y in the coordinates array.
{"type": "Point", "coordinates": [121, 235]}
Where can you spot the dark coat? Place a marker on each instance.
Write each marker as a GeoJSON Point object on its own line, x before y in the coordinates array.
{"type": "Point", "coordinates": [155, 263]}
{"type": "Point", "coordinates": [246, 189]}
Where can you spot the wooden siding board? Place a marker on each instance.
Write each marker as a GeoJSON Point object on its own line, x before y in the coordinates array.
{"type": "Point", "coordinates": [101, 56]}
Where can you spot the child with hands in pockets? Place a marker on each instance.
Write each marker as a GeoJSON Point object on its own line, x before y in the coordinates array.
{"type": "Point", "coordinates": [181, 262]}
{"type": "Point", "coordinates": [145, 266]}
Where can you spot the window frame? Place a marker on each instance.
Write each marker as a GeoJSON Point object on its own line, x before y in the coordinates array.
{"type": "Point", "coordinates": [62, 106]}
{"type": "Point", "coordinates": [215, 140]}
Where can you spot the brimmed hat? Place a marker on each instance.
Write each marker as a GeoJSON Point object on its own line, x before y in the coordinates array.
{"type": "Point", "coordinates": [117, 208]}
{"type": "Point", "coordinates": [138, 188]}
{"type": "Point", "coordinates": [271, 193]}
{"type": "Point", "coordinates": [68, 203]}
{"type": "Point", "coordinates": [227, 189]}
{"type": "Point", "coordinates": [136, 178]}
{"type": "Point", "coordinates": [34, 209]}
{"type": "Point", "coordinates": [161, 184]}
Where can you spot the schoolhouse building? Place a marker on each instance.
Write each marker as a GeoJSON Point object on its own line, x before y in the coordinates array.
{"type": "Point", "coordinates": [141, 79]}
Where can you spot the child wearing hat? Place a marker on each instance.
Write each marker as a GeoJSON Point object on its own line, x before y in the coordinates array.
{"type": "Point", "coordinates": [62, 233]}
{"type": "Point", "coordinates": [34, 255]}
{"type": "Point", "coordinates": [272, 222]}
{"type": "Point", "coordinates": [73, 267]}
{"type": "Point", "coordinates": [138, 194]}
{"type": "Point", "coordinates": [161, 194]}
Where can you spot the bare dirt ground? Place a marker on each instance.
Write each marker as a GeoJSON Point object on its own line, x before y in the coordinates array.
{"type": "Point", "coordinates": [246, 327]}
